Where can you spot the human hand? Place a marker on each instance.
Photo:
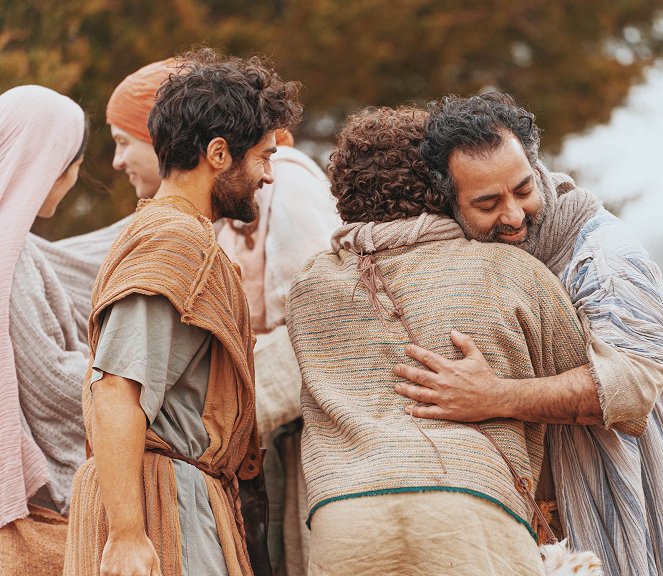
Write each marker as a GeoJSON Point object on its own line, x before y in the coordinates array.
{"type": "Point", "coordinates": [466, 390]}
{"type": "Point", "coordinates": [129, 556]}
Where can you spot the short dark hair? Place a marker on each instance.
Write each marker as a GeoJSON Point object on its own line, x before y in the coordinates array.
{"type": "Point", "coordinates": [474, 126]}
{"type": "Point", "coordinates": [376, 172]}
{"type": "Point", "coordinates": [237, 99]}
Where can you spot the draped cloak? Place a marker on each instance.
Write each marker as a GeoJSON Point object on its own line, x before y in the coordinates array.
{"type": "Point", "coordinates": [170, 249]}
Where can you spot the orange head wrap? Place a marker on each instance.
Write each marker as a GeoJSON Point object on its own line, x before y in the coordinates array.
{"type": "Point", "coordinates": [130, 104]}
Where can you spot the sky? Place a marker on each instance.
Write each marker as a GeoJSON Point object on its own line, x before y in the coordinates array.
{"type": "Point", "coordinates": [622, 160]}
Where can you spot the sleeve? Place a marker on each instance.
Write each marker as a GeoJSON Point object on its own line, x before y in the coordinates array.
{"type": "Point", "coordinates": [143, 339]}
{"type": "Point", "coordinates": [618, 292]}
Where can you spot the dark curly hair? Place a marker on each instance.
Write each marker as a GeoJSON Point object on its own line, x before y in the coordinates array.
{"type": "Point", "coordinates": [376, 172]}
{"type": "Point", "coordinates": [209, 97]}
{"type": "Point", "coordinates": [474, 126]}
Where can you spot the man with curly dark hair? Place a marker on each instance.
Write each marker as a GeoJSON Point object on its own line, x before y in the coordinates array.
{"type": "Point", "coordinates": [389, 494]}
{"type": "Point", "coordinates": [169, 400]}
{"type": "Point", "coordinates": [484, 154]}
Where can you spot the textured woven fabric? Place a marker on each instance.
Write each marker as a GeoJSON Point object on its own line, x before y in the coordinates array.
{"type": "Point", "coordinates": [610, 485]}
{"type": "Point", "coordinates": [567, 208]}
{"type": "Point", "coordinates": [170, 249]}
{"type": "Point", "coordinates": [77, 260]}
{"type": "Point", "coordinates": [357, 438]}
{"type": "Point", "coordinates": [40, 133]}
{"type": "Point", "coordinates": [34, 545]}
{"type": "Point", "coordinates": [51, 356]}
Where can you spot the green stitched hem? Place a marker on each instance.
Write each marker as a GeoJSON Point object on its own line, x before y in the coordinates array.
{"type": "Point", "coordinates": [422, 489]}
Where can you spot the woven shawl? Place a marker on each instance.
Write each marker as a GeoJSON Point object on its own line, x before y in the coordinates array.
{"type": "Point", "coordinates": [357, 439]}
{"type": "Point", "coordinates": [40, 132]}
{"type": "Point", "coordinates": [567, 208]}
{"type": "Point", "coordinates": [170, 249]}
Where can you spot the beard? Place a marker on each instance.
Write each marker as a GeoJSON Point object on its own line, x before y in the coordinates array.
{"type": "Point", "coordinates": [233, 195]}
{"type": "Point", "coordinates": [532, 222]}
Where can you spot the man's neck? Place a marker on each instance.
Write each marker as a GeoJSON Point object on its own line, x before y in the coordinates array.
{"type": "Point", "coordinates": [193, 185]}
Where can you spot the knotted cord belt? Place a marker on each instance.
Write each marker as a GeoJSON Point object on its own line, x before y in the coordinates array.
{"type": "Point", "coordinates": [369, 274]}
{"type": "Point", "coordinates": [228, 478]}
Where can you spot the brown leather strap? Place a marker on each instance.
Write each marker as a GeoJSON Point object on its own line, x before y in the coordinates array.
{"type": "Point", "coordinates": [246, 229]}
{"type": "Point", "coordinates": [369, 274]}
{"type": "Point", "coordinates": [523, 485]}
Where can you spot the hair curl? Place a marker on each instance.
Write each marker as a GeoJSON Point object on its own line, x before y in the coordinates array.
{"type": "Point", "coordinates": [474, 126]}
{"type": "Point", "coordinates": [237, 99]}
{"type": "Point", "coordinates": [376, 172]}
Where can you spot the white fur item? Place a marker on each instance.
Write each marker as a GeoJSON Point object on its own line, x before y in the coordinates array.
{"type": "Point", "coordinates": [558, 560]}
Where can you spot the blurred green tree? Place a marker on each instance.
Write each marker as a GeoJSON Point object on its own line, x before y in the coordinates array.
{"type": "Point", "coordinates": [570, 62]}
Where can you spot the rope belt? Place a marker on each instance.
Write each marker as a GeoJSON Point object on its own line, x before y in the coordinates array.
{"type": "Point", "coordinates": [219, 474]}
{"type": "Point", "coordinates": [229, 479]}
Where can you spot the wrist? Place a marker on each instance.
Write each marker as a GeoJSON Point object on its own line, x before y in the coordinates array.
{"type": "Point", "coordinates": [506, 405]}
{"type": "Point", "coordinates": [126, 531]}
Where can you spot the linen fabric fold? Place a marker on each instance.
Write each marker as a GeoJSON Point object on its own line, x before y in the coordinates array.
{"type": "Point", "coordinates": [40, 133]}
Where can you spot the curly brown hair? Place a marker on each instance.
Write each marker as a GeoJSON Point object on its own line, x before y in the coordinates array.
{"type": "Point", "coordinates": [211, 96]}
{"type": "Point", "coordinates": [376, 172]}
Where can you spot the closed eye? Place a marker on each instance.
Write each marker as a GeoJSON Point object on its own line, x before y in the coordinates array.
{"type": "Point", "coordinates": [524, 193]}
{"type": "Point", "coordinates": [487, 207]}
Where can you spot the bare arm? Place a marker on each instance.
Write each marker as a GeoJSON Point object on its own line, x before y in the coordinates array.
{"type": "Point", "coordinates": [468, 390]}
{"type": "Point", "coordinates": [119, 442]}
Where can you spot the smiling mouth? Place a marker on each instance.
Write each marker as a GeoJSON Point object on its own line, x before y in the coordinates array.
{"type": "Point", "coordinates": [514, 237]}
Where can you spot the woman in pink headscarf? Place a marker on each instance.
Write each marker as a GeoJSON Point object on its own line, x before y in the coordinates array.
{"type": "Point", "coordinates": [43, 350]}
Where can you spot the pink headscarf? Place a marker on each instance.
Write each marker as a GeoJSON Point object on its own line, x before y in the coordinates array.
{"type": "Point", "coordinates": [40, 133]}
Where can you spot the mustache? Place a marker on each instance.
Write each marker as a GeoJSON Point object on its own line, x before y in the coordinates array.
{"type": "Point", "coordinates": [506, 229]}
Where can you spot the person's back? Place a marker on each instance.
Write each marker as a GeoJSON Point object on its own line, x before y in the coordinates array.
{"type": "Point", "coordinates": [345, 326]}
{"type": "Point", "coordinates": [510, 303]}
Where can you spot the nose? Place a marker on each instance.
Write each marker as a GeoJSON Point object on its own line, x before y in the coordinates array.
{"type": "Point", "coordinates": [513, 214]}
{"type": "Point", "coordinates": [118, 159]}
{"type": "Point", "coordinates": [268, 176]}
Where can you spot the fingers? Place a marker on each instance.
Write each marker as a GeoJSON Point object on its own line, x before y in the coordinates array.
{"type": "Point", "coordinates": [416, 393]}
{"type": "Point", "coordinates": [464, 343]}
{"type": "Point", "coordinates": [434, 361]}
{"type": "Point", "coordinates": [416, 375]}
{"type": "Point", "coordinates": [429, 412]}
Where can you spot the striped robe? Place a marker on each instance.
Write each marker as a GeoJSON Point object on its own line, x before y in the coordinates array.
{"type": "Point", "coordinates": [610, 485]}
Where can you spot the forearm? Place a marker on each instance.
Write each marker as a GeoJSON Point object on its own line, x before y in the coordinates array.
{"type": "Point", "coordinates": [567, 398]}
{"type": "Point", "coordinates": [119, 442]}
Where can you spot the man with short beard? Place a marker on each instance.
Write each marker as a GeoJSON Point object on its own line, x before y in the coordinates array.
{"type": "Point", "coordinates": [484, 151]}
{"type": "Point", "coordinates": [169, 400]}
{"type": "Point", "coordinates": [296, 218]}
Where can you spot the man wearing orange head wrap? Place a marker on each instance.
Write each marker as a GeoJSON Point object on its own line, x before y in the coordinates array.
{"type": "Point", "coordinates": [127, 112]}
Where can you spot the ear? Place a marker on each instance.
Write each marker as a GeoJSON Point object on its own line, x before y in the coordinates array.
{"type": "Point", "coordinates": [218, 154]}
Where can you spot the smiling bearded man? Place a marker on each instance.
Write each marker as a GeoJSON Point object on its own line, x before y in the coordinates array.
{"type": "Point", "coordinates": [169, 399]}
{"type": "Point", "coordinates": [608, 476]}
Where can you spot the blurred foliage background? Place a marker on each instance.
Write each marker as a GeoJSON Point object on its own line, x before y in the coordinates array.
{"type": "Point", "coordinates": [570, 62]}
